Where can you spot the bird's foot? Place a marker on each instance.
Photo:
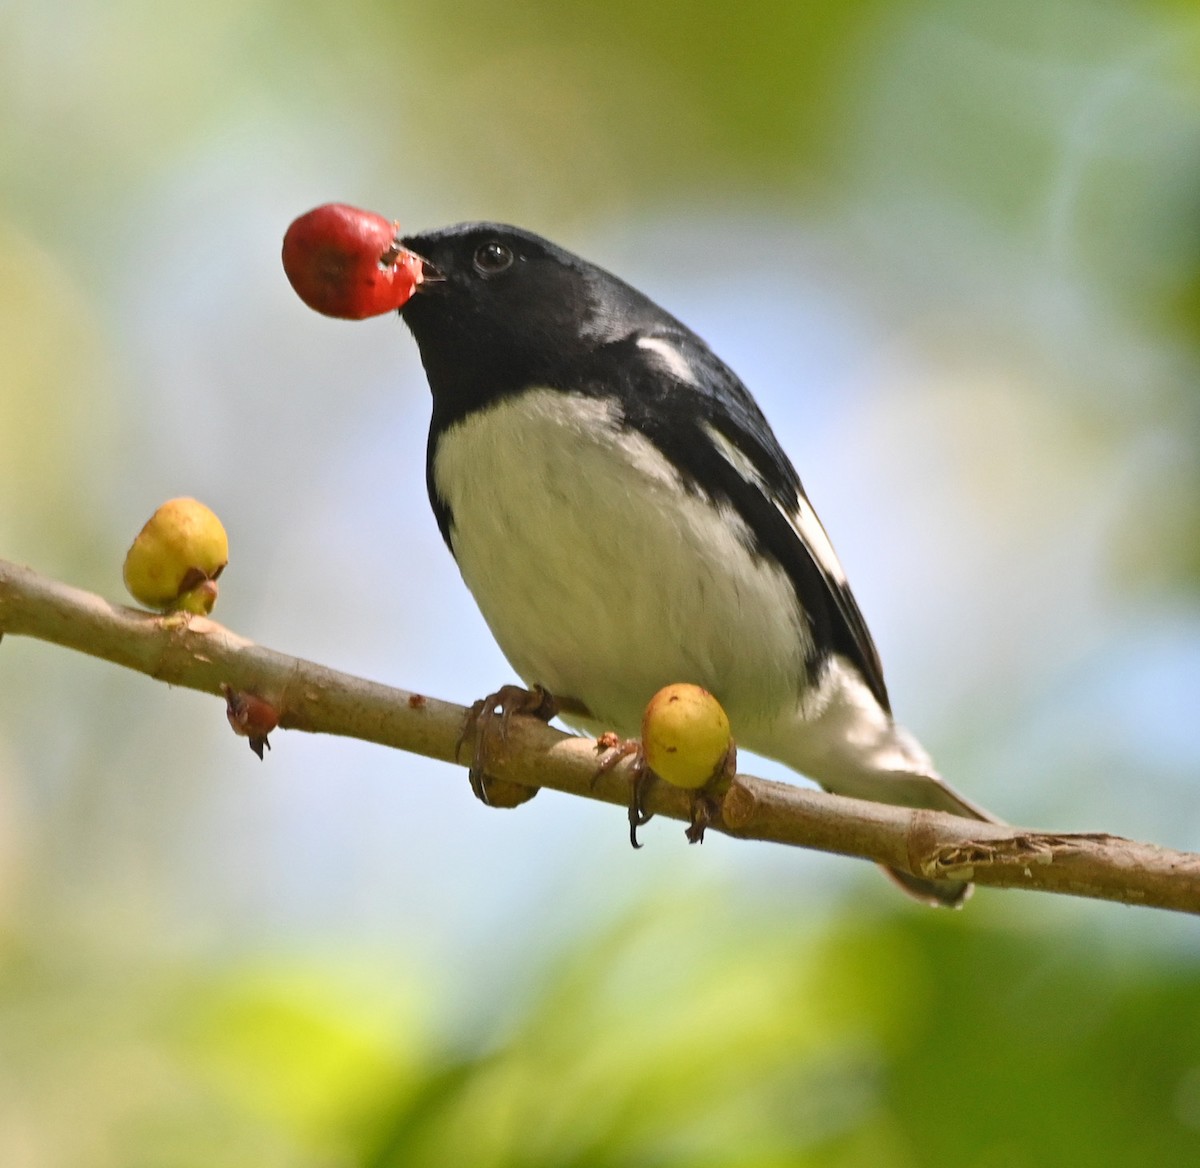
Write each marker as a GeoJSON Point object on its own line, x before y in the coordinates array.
{"type": "Point", "coordinates": [640, 776]}
{"type": "Point", "coordinates": [492, 715]}
{"type": "Point", "coordinates": [703, 809]}
{"type": "Point", "coordinates": [706, 801]}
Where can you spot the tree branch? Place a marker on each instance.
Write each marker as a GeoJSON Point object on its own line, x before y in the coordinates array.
{"type": "Point", "coordinates": [201, 654]}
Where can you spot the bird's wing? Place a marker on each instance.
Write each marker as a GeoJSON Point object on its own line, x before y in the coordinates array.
{"type": "Point", "coordinates": [703, 419]}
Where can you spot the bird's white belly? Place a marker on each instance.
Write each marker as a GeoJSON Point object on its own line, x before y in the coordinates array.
{"type": "Point", "coordinates": [601, 577]}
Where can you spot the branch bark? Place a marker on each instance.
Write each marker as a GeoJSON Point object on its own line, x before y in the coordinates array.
{"type": "Point", "coordinates": [203, 655]}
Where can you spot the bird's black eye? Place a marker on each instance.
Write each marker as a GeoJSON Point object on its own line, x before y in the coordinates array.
{"type": "Point", "coordinates": [493, 257]}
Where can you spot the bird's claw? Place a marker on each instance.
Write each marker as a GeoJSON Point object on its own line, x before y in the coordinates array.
{"type": "Point", "coordinates": [640, 776]}
{"type": "Point", "coordinates": [706, 802]}
{"type": "Point", "coordinates": [497, 710]}
{"type": "Point", "coordinates": [704, 808]}
{"type": "Point", "coordinates": [640, 782]}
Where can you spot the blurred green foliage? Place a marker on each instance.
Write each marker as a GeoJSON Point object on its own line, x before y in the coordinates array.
{"type": "Point", "coordinates": [679, 1035]}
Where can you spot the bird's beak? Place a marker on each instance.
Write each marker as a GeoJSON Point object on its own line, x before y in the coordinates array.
{"type": "Point", "coordinates": [430, 274]}
{"type": "Point", "coordinates": [419, 270]}
{"type": "Point", "coordinates": [425, 270]}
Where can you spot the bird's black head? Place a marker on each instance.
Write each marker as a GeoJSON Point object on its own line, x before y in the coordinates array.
{"type": "Point", "coordinates": [501, 309]}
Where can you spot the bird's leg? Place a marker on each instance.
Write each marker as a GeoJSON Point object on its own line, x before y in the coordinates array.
{"type": "Point", "coordinates": [640, 776]}
{"type": "Point", "coordinates": [493, 714]}
{"type": "Point", "coordinates": [703, 808]}
{"type": "Point", "coordinates": [706, 801]}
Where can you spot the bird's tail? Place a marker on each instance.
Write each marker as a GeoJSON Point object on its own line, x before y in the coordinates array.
{"type": "Point", "coordinates": [875, 759]}
{"type": "Point", "coordinates": [844, 739]}
{"type": "Point", "coordinates": [936, 893]}
{"type": "Point", "coordinates": [924, 789]}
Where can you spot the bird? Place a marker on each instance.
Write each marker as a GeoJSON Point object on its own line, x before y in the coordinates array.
{"type": "Point", "coordinates": [625, 518]}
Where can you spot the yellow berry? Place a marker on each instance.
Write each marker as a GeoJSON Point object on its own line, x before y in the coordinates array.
{"type": "Point", "coordinates": [685, 735]}
{"type": "Point", "coordinates": [176, 559]}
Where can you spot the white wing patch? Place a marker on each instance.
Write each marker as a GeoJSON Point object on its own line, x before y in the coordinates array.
{"type": "Point", "coordinates": [670, 356]}
{"type": "Point", "coordinates": [736, 459]}
{"type": "Point", "coordinates": [803, 521]}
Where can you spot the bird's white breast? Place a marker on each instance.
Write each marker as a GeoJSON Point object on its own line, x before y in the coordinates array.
{"type": "Point", "coordinates": [600, 576]}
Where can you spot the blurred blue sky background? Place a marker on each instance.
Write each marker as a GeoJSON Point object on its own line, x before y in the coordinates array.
{"type": "Point", "coordinates": [952, 248]}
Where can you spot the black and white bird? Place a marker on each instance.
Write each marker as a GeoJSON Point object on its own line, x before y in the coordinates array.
{"type": "Point", "coordinates": [626, 519]}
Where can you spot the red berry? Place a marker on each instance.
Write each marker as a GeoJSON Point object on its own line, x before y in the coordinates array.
{"type": "Point", "coordinates": [347, 263]}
